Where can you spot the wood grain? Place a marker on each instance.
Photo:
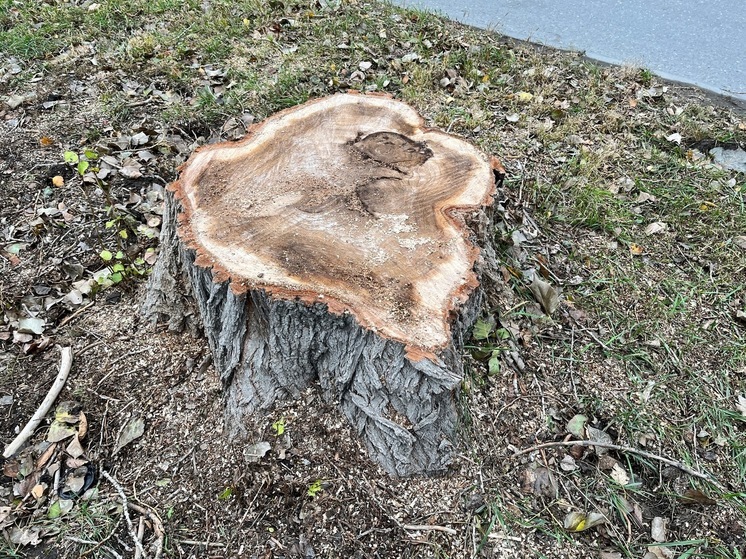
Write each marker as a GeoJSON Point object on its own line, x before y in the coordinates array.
{"type": "Point", "coordinates": [349, 200]}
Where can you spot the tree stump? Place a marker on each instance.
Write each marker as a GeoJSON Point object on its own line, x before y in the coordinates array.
{"type": "Point", "coordinates": [338, 243]}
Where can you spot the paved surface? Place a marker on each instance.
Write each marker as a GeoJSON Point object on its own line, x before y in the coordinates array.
{"type": "Point", "coordinates": [701, 42]}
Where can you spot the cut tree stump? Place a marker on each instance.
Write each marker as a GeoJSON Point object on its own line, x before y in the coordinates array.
{"type": "Point", "coordinates": [338, 243]}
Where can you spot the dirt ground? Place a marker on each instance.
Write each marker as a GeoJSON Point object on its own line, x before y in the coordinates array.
{"type": "Point", "coordinates": [658, 370]}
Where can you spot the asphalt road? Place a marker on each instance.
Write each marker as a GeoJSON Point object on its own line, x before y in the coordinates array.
{"type": "Point", "coordinates": [700, 42]}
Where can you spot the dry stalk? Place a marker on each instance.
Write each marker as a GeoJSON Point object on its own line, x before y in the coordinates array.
{"type": "Point", "coordinates": [66, 362]}
{"type": "Point", "coordinates": [629, 450]}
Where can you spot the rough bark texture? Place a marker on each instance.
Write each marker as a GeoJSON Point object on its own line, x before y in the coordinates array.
{"type": "Point", "coordinates": [352, 263]}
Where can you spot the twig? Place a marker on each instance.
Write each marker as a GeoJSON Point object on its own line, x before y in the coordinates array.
{"type": "Point", "coordinates": [102, 542]}
{"type": "Point", "coordinates": [595, 338]}
{"type": "Point", "coordinates": [125, 510]}
{"type": "Point", "coordinates": [628, 449]}
{"type": "Point", "coordinates": [572, 363]}
{"type": "Point", "coordinates": [430, 527]}
{"type": "Point", "coordinates": [140, 535]}
{"type": "Point", "coordinates": [541, 395]}
{"type": "Point", "coordinates": [109, 398]}
{"type": "Point", "coordinates": [56, 486]}
{"type": "Point", "coordinates": [203, 544]}
{"type": "Point", "coordinates": [65, 364]}
{"type": "Point", "coordinates": [80, 540]}
{"type": "Point", "coordinates": [74, 315]}
{"type": "Point", "coordinates": [591, 334]}
{"type": "Point", "coordinates": [160, 534]}
{"type": "Point", "coordinates": [498, 536]}
{"type": "Point", "coordinates": [140, 103]}
{"type": "Point", "coordinates": [423, 527]}
{"type": "Point", "coordinates": [90, 346]}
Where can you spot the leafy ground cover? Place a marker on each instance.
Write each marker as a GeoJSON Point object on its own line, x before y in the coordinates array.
{"type": "Point", "coordinates": [620, 318]}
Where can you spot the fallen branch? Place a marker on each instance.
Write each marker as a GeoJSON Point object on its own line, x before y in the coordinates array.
{"type": "Point", "coordinates": [160, 534]}
{"type": "Point", "coordinates": [66, 362]}
{"type": "Point", "coordinates": [630, 450]}
{"type": "Point", "coordinates": [125, 510]}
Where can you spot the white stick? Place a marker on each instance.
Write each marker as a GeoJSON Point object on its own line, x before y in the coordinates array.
{"type": "Point", "coordinates": [126, 505]}
{"type": "Point", "coordinates": [65, 364]}
{"type": "Point", "coordinates": [140, 535]}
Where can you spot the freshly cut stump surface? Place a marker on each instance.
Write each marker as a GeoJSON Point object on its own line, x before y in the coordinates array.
{"type": "Point", "coordinates": [338, 243]}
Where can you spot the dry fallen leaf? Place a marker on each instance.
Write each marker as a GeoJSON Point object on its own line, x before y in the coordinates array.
{"type": "Point", "coordinates": [139, 139]}
{"type": "Point", "coordinates": [59, 431]}
{"type": "Point", "coordinates": [75, 482]}
{"type": "Point", "coordinates": [539, 481]}
{"type": "Point", "coordinates": [568, 464]}
{"type": "Point", "coordinates": [130, 172]}
{"type": "Point", "coordinates": [545, 294]}
{"type": "Point", "coordinates": [659, 552]}
{"type": "Point", "coordinates": [75, 449]}
{"type": "Point", "coordinates": [606, 463]}
{"type": "Point", "coordinates": [25, 536]}
{"type": "Point", "coordinates": [14, 101]}
{"type": "Point", "coordinates": [576, 426]}
{"type": "Point", "coordinates": [42, 461]}
{"type": "Point", "coordinates": [643, 197]}
{"type": "Point", "coordinates": [696, 497]}
{"type": "Point", "coordinates": [619, 474]}
{"type": "Point", "coordinates": [11, 468]}
{"type": "Point", "coordinates": [37, 492]}
{"type": "Point", "coordinates": [599, 436]}
{"type": "Point", "coordinates": [255, 452]}
{"type": "Point", "coordinates": [4, 514]}
{"type": "Point", "coordinates": [31, 326]}
{"type": "Point", "coordinates": [67, 412]}
{"type": "Point", "coordinates": [655, 227]}
{"type": "Point", "coordinates": [578, 521]}
{"type": "Point", "coordinates": [82, 426]}
{"type": "Point", "coordinates": [150, 256]}
{"type": "Point", "coordinates": [133, 430]}
{"type": "Point", "coordinates": [658, 529]}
